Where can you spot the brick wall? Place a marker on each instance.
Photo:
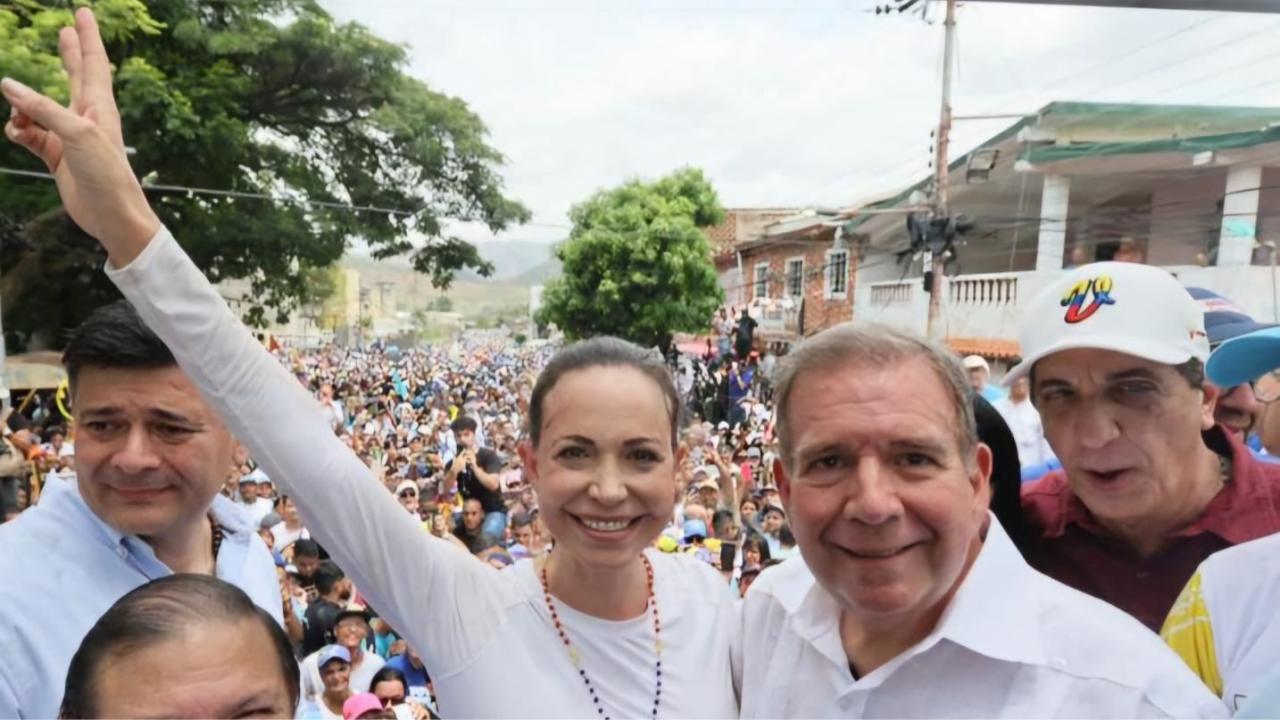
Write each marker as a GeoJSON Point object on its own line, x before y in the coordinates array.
{"type": "Point", "coordinates": [820, 312]}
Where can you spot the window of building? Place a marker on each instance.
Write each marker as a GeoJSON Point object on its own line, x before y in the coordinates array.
{"type": "Point", "coordinates": [837, 273]}
{"type": "Point", "coordinates": [761, 288]}
{"type": "Point", "coordinates": [795, 277]}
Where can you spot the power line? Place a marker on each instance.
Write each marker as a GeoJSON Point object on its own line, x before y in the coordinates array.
{"type": "Point", "coordinates": [1180, 32]}
{"type": "Point", "coordinates": [1125, 56]}
{"type": "Point", "coordinates": [284, 199]}
{"type": "Point", "coordinates": [1234, 41]}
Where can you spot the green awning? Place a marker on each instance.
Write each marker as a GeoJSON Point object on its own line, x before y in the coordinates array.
{"type": "Point", "coordinates": [1189, 146]}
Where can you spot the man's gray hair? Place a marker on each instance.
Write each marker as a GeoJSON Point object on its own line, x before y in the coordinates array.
{"type": "Point", "coordinates": [861, 344]}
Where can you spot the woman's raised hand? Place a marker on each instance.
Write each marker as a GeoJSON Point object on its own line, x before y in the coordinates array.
{"type": "Point", "coordinates": [82, 145]}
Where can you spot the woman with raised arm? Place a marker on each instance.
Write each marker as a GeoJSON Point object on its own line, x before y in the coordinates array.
{"type": "Point", "coordinates": [602, 627]}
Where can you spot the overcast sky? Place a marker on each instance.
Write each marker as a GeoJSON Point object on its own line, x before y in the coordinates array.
{"type": "Point", "coordinates": [787, 102]}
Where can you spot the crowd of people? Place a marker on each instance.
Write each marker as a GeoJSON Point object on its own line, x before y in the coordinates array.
{"type": "Point", "coordinates": [863, 525]}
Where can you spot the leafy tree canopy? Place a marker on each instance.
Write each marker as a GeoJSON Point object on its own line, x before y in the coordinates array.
{"type": "Point", "coordinates": [636, 264]}
{"type": "Point", "coordinates": [260, 97]}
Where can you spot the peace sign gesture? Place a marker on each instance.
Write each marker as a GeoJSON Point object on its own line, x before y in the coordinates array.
{"type": "Point", "coordinates": [82, 145]}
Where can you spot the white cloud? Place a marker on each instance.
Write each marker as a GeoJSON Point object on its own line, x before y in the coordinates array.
{"type": "Point", "coordinates": [781, 101]}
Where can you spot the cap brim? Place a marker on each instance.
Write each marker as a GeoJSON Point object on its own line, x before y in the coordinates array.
{"type": "Point", "coordinates": [1245, 358]}
{"type": "Point", "coordinates": [1156, 353]}
{"type": "Point", "coordinates": [1230, 331]}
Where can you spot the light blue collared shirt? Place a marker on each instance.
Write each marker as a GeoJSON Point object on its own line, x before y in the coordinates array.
{"type": "Point", "coordinates": [992, 393]}
{"type": "Point", "coordinates": [62, 567]}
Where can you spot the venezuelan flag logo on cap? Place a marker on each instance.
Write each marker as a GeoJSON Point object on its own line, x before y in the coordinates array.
{"type": "Point", "coordinates": [1086, 297]}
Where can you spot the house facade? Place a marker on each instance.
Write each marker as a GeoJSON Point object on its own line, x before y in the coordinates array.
{"type": "Point", "coordinates": [1194, 189]}
{"type": "Point", "coordinates": [740, 226]}
{"type": "Point", "coordinates": [800, 277]}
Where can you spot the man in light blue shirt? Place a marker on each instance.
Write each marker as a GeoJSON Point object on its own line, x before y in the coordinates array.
{"type": "Point", "coordinates": [980, 379]}
{"type": "Point", "coordinates": [150, 458]}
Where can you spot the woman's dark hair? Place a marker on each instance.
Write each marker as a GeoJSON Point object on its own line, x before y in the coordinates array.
{"type": "Point", "coordinates": [603, 351]}
{"type": "Point", "coordinates": [463, 424]}
{"type": "Point", "coordinates": [754, 541]}
{"type": "Point", "coordinates": [306, 547]}
{"type": "Point", "coordinates": [388, 674]}
{"type": "Point", "coordinates": [327, 576]}
{"type": "Point", "coordinates": [786, 538]}
{"type": "Point", "coordinates": [163, 610]}
{"type": "Point", "coordinates": [113, 336]}
{"type": "Point", "coordinates": [1006, 472]}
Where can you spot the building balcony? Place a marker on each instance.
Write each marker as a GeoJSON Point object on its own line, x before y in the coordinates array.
{"type": "Point", "coordinates": [980, 313]}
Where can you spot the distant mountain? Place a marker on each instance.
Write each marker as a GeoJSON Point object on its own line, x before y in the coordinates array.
{"type": "Point", "coordinates": [540, 274]}
{"type": "Point", "coordinates": [513, 258]}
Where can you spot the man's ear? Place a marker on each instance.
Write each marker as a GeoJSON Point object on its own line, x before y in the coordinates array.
{"type": "Point", "coordinates": [980, 477]}
{"type": "Point", "coordinates": [1212, 394]}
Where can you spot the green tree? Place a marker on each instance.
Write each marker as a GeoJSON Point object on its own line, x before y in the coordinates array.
{"type": "Point", "coordinates": [258, 97]}
{"type": "Point", "coordinates": [441, 304]}
{"type": "Point", "coordinates": [636, 265]}
{"type": "Point", "coordinates": [320, 284]}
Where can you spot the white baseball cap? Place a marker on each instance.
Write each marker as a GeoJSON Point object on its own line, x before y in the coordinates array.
{"type": "Point", "coordinates": [1129, 308]}
{"type": "Point", "coordinates": [973, 362]}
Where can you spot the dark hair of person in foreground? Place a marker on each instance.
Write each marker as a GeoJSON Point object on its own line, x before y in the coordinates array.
{"type": "Point", "coordinates": [176, 617]}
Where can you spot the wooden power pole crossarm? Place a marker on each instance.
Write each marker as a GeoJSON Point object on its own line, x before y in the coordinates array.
{"type": "Point", "coordinates": [941, 209]}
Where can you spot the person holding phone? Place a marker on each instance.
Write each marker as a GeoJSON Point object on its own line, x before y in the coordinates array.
{"type": "Point", "coordinates": [475, 472]}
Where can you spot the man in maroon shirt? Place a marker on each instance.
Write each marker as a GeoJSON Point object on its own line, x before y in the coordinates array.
{"type": "Point", "coordinates": [1150, 486]}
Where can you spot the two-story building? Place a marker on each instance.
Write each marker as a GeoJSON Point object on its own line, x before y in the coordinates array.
{"type": "Point", "coordinates": [1195, 189]}
{"type": "Point", "coordinates": [799, 276]}
{"type": "Point", "coordinates": [740, 225]}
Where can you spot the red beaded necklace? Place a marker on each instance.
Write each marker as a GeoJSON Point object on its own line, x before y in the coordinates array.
{"type": "Point", "coordinates": [576, 658]}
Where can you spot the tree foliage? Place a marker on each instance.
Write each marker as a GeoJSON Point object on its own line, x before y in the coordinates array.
{"type": "Point", "coordinates": [636, 264]}
{"type": "Point", "coordinates": [265, 97]}
{"type": "Point", "coordinates": [441, 304]}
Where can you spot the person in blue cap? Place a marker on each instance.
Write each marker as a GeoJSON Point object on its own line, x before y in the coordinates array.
{"type": "Point", "coordinates": [1253, 359]}
{"type": "Point", "coordinates": [1239, 406]}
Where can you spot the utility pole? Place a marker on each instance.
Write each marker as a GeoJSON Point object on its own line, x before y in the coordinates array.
{"type": "Point", "coordinates": [364, 299]}
{"type": "Point", "coordinates": [934, 258]}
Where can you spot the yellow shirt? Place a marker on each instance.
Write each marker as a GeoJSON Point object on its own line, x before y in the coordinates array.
{"type": "Point", "coordinates": [1189, 632]}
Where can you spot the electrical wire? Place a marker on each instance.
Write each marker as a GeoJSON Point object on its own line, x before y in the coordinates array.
{"type": "Point", "coordinates": [283, 199]}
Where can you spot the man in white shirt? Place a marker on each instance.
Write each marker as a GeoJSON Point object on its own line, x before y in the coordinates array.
{"type": "Point", "coordinates": [255, 507]}
{"type": "Point", "coordinates": [909, 600]}
{"type": "Point", "coordinates": [349, 631]}
{"type": "Point", "coordinates": [1024, 422]}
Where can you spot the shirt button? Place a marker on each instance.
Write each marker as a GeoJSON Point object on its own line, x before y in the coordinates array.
{"type": "Point", "coordinates": [122, 552]}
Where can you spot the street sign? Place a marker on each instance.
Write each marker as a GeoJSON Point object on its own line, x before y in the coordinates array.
{"type": "Point", "coordinates": [1254, 6]}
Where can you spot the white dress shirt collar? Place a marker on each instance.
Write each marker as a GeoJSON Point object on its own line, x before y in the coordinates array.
{"type": "Point", "coordinates": [991, 599]}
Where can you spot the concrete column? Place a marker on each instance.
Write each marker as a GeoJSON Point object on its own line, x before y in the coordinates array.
{"type": "Point", "coordinates": [1055, 201]}
{"type": "Point", "coordinates": [1239, 216]}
